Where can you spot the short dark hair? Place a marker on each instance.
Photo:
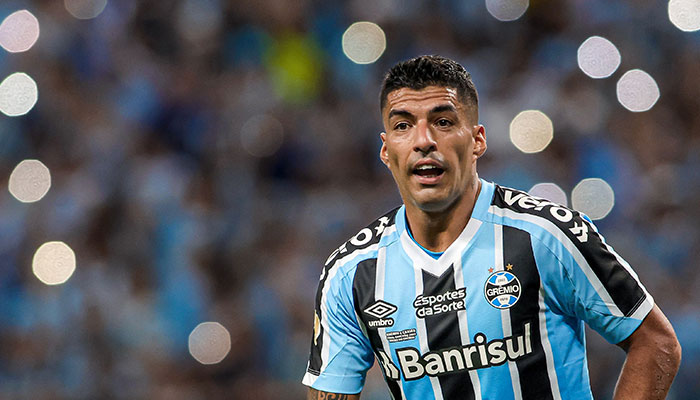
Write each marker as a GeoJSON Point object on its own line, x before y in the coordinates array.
{"type": "Point", "coordinates": [421, 72]}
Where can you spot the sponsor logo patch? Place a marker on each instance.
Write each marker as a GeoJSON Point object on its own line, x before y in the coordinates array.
{"type": "Point", "coordinates": [481, 353]}
{"type": "Point", "coordinates": [362, 239]}
{"type": "Point", "coordinates": [502, 289]}
{"type": "Point", "coordinates": [526, 202]}
{"type": "Point", "coordinates": [451, 300]}
{"type": "Point", "coordinates": [379, 310]}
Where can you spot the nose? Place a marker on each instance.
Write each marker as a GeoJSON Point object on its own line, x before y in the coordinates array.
{"type": "Point", "coordinates": [424, 139]}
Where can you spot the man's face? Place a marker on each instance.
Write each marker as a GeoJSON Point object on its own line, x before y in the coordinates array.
{"type": "Point", "coordinates": [431, 145]}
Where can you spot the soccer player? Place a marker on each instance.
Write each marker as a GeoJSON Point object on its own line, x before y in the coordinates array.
{"type": "Point", "coordinates": [471, 290]}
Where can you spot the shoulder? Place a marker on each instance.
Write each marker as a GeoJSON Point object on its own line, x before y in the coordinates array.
{"type": "Point", "coordinates": [570, 240]}
{"type": "Point", "coordinates": [365, 243]}
{"type": "Point", "coordinates": [542, 218]}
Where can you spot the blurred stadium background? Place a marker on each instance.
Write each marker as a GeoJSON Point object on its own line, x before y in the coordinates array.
{"type": "Point", "coordinates": [174, 173]}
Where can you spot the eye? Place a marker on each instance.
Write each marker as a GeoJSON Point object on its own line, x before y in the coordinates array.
{"type": "Point", "coordinates": [401, 126]}
{"type": "Point", "coordinates": [443, 122]}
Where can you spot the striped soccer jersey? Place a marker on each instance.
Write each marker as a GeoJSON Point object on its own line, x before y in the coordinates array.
{"type": "Point", "coordinates": [499, 315]}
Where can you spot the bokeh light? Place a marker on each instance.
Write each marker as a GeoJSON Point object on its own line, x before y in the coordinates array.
{"type": "Point", "coordinates": [507, 10]}
{"type": "Point", "coordinates": [262, 135]}
{"type": "Point", "coordinates": [85, 9]}
{"type": "Point", "coordinates": [549, 191]}
{"type": "Point", "coordinates": [364, 42]}
{"type": "Point", "coordinates": [685, 14]}
{"type": "Point", "coordinates": [209, 343]}
{"type": "Point", "coordinates": [531, 131]}
{"type": "Point", "coordinates": [598, 57]}
{"type": "Point", "coordinates": [19, 31]}
{"type": "Point", "coordinates": [18, 94]}
{"type": "Point", "coordinates": [593, 197]}
{"type": "Point", "coordinates": [637, 91]}
{"type": "Point", "coordinates": [53, 263]}
{"type": "Point", "coordinates": [29, 181]}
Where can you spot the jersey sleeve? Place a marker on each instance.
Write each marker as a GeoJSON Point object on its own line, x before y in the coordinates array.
{"type": "Point", "coordinates": [340, 352]}
{"type": "Point", "coordinates": [587, 279]}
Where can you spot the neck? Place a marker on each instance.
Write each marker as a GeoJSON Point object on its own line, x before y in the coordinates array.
{"type": "Point", "coordinates": [437, 230]}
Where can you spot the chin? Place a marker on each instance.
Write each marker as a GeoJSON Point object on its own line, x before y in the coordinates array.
{"type": "Point", "coordinates": [432, 200]}
{"type": "Point", "coordinates": [433, 204]}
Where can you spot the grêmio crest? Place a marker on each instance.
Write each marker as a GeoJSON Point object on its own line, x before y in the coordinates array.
{"type": "Point", "coordinates": [502, 289]}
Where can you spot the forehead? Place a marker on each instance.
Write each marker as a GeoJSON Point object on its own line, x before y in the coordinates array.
{"type": "Point", "coordinates": [421, 100]}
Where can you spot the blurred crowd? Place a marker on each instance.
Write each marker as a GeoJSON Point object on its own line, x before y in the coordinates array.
{"type": "Point", "coordinates": [207, 155]}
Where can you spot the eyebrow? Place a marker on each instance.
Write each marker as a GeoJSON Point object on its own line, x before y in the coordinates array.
{"type": "Point", "coordinates": [435, 110]}
{"type": "Point", "coordinates": [402, 113]}
{"type": "Point", "coordinates": [443, 108]}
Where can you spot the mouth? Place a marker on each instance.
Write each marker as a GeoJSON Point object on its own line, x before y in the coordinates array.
{"type": "Point", "coordinates": [428, 173]}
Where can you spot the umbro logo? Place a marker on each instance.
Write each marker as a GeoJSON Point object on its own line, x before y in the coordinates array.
{"type": "Point", "coordinates": [380, 310]}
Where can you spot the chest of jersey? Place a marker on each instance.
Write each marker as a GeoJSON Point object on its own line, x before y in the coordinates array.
{"type": "Point", "coordinates": [449, 319]}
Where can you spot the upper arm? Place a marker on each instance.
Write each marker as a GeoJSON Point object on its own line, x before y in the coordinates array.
{"type": "Point", "coordinates": [340, 352]}
{"type": "Point", "coordinates": [655, 331]}
{"type": "Point", "coordinates": [317, 395]}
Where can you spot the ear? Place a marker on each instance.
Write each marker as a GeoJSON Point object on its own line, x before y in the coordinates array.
{"type": "Point", "coordinates": [479, 135]}
{"type": "Point", "coordinates": [383, 152]}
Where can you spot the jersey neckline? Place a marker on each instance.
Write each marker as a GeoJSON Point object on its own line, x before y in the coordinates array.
{"type": "Point", "coordinates": [455, 250]}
